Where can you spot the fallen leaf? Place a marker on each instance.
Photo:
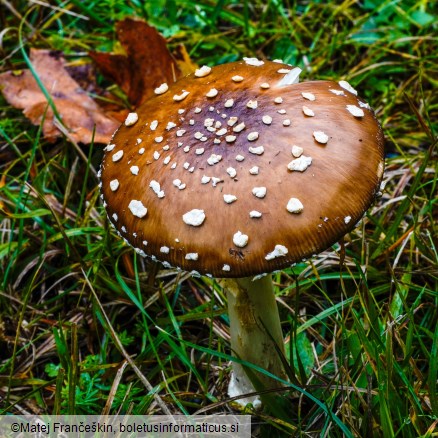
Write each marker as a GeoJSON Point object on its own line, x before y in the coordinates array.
{"type": "Point", "coordinates": [84, 73]}
{"type": "Point", "coordinates": [185, 64]}
{"type": "Point", "coordinates": [145, 64]}
{"type": "Point", "coordinates": [79, 112]}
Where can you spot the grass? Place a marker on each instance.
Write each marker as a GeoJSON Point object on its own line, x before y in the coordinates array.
{"type": "Point", "coordinates": [86, 326]}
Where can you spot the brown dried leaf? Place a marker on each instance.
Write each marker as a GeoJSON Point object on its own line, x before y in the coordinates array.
{"type": "Point", "coordinates": [146, 64]}
{"type": "Point", "coordinates": [79, 112]}
{"type": "Point", "coordinates": [185, 64]}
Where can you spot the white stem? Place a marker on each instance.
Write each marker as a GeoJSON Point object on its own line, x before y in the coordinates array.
{"type": "Point", "coordinates": [253, 314]}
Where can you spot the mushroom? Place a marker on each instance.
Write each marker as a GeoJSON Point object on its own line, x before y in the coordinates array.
{"type": "Point", "coordinates": [257, 175]}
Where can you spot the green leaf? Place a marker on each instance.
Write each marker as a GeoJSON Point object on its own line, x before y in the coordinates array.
{"type": "Point", "coordinates": [51, 369]}
{"type": "Point", "coordinates": [34, 213]}
{"type": "Point", "coordinates": [422, 18]}
{"type": "Point", "coordinates": [303, 353]}
{"type": "Point", "coordinates": [401, 292]}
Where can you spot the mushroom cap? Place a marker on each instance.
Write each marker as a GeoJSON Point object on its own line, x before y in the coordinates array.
{"type": "Point", "coordinates": [233, 174]}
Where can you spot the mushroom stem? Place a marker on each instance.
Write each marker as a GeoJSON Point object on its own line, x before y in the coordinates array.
{"type": "Point", "coordinates": [255, 329]}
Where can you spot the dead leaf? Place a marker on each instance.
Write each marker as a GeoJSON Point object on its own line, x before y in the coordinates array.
{"type": "Point", "coordinates": [144, 66]}
{"type": "Point", "coordinates": [185, 64]}
{"type": "Point", "coordinates": [79, 112]}
{"type": "Point", "coordinates": [84, 73]}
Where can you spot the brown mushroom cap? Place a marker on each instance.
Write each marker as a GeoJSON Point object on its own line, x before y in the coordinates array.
{"type": "Point", "coordinates": [157, 174]}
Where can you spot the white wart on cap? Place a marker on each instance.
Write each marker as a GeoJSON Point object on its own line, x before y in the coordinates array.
{"type": "Point", "coordinates": [314, 148]}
